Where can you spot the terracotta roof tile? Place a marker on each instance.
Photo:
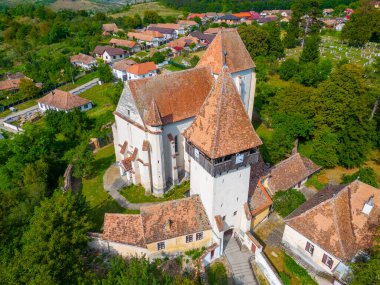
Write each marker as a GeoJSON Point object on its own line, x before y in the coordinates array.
{"type": "Point", "coordinates": [123, 43]}
{"type": "Point", "coordinates": [187, 22]}
{"type": "Point", "coordinates": [63, 100]}
{"type": "Point", "coordinates": [185, 216]}
{"type": "Point", "coordinates": [84, 58]}
{"type": "Point", "coordinates": [160, 30]}
{"type": "Point", "coordinates": [152, 116]}
{"type": "Point", "coordinates": [229, 41]}
{"type": "Point", "coordinates": [166, 25]}
{"type": "Point", "coordinates": [213, 31]}
{"type": "Point", "coordinates": [335, 220]}
{"type": "Point", "coordinates": [153, 33]}
{"type": "Point", "coordinates": [11, 84]}
{"type": "Point", "coordinates": [178, 95]}
{"type": "Point", "coordinates": [111, 27]}
{"type": "Point", "coordinates": [182, 42]}
{"type": "Point", "coordinates": [142, 68]}
{"type": "Point", "coordinates": [123, 65]}
{"type": "Point", "coordinates": [222, 126]}
{"type": "Point", "coordinates": [124, 228]}
{"type": "Point", "coordinates": [110, 50]}
{"type": "Point", "coordinates": [290, 172]}
{"type": "Point", "coordinates": [260, 200]}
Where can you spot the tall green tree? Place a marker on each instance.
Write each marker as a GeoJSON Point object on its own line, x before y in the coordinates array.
{"type": "Point", "coordinates": [105, 73]}
{"type": "Point", "coordinates": [310, 52]}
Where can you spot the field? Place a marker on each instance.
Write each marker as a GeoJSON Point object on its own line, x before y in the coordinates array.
{"type": "Point", "coordinates": [154, 6]}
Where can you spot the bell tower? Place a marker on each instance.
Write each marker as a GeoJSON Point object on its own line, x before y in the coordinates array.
{"type": "Point", "coordinates": [222, 146]}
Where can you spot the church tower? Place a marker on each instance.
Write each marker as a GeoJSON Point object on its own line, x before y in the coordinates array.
{"type": "Point", "coordinates": [228, 48]}
{"type": "Point", "coordinates": [222, 146]}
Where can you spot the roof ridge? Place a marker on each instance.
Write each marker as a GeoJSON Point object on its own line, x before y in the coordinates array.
{"type": "Point", "coordinates": [168, 202]}
{"type": "Point", "coordinates": [336, 224]}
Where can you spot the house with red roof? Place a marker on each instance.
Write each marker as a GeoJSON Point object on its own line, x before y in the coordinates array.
{"type": "Point", "coordinates": [58, 100]}
{"type": "Point", "coordinates": [141, 70]}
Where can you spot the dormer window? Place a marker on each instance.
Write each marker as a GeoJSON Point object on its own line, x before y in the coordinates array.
{"type": "Point", "coordinates": [368, 206]}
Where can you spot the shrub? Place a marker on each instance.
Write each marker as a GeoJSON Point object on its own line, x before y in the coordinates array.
{"type": "Point", "coordinates": [288, 69]}
{"type": "Point", "coordinates": [216, 274]}
{"type": "Point", "coordinates": [366, 175]}
{"type": "Point", "coordinates": [285, 202]}
{"type": "Point", "coordinates": [285, 278]}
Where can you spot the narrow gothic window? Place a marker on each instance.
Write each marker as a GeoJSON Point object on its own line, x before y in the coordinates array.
{"type": "Point", "coordinates": [176, 144]}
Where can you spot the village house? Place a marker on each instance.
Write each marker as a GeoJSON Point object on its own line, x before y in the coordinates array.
{"type": "Point", "coordinates": [12, 84]}
{"type": "Point", "coordinates": [328, 12]}
{"type": "Point", "coordinates": [333, 227]}
{"type": "Point", "coordinates": [58, 100]}
{"type": "Point", "coordinates": [229, 19]}
{"type": "Point", "coordinates": [204, 39]}
{"type": "Point", "coordinates": [141, 70]}
{"type": "Point", "coordinates": [166, 228]}
{"type": "Point", "coordinates": [148, 39]}
{"type": "Point", "coordinates": [184, 42]}
{"type": "Point", "coordinates": [266, 19]}
{"type": "Point", "coordinates": [179, 29]}
{"type": "Point", "coordinates": [188, 24]}
{"type": "Point", "coordinates": [109, 54]}
{"type": "Point", "coordinates": [110, 29]}
{"type": "Point", "coordinates": [292, 172]}
{"type": "Point", "coordinates": [153, 112]}
{"type": "Point", "coordinates": [168, 33]}
{"type": "Point", "coordinates": [119, 68]}
{"type": "Point", "coordinates": [83, 61]}
{"type": "Point", "coordinates": [132, 46]}
{"type": "Point", "coordinates": [213, 31]}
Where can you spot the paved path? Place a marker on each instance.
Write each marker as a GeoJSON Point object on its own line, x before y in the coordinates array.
{"type": "Point", "coordinates": [112, 183]}
{"type": "Point", "coordinates": [239, 263]}
{"type": "Point", "coordinates": [84, 87]}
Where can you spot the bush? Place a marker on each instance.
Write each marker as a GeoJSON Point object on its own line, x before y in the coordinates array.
{"type": "Point", "coordinates": [216, 274]}
{"type": "Point", "coordinates": [288, 69]}
{"type": "Point", "coordinates": [366, 175]}
{"type": "Point", "coordinates": [285, 202]}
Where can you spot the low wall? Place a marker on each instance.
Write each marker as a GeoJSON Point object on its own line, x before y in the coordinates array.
{"type": "Point", "coordinates": [13, 127]}
{"type": "Point", "coordinates": [267, 269]}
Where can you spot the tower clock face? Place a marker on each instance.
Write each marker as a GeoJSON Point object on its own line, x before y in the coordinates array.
{"type": "Point", "coordinates": [239, 158]}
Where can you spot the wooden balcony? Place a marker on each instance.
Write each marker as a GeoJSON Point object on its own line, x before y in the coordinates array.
{"type": "Point", "coordinates": [220, 165]}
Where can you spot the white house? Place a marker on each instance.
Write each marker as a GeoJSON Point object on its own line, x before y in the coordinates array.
{"type": "Point", "coordinates": [153, 112]}
{"type": "Point", "coordinates": [334, 226]}
{"type": "Point", "coordinates": [132, 46]}
{"type": "Point", "coordinates": [84, 61]}
{"type": "Point", "coordinates": [59, 100]}
{"type": "Point", "coordinates": [119, 68]}
{"type": "Point", "coordinates": [150, 39]}
{"type": "Point", "coordinates": [110, 54]}
{"type": "Point", "coordinates": [141, 70]}
{"type": "Point", "coordinates": [168, 33]}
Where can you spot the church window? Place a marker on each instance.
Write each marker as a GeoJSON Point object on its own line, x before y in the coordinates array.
{"type": "Point", "coordinates": [129, 112]}
{"type": "Point", "coordinates": [235, 213]}
{"type": "Point", "coordinates": [161, 245]}
{"type": "Point", "coordinates": [199, 236]}
{"type": "Point", "coordinates": [189, 238]}
{"type": "Point", "coordinates": [176, 144]}
{"type": "Point", "coordinates": [309, 248]}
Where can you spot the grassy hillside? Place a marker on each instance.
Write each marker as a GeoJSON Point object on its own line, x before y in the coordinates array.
{"type": "Point", "coordinates": [154, 6]}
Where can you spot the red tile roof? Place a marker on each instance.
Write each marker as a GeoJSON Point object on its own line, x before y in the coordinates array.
{"type": "Point", "coordinates": [84, 58]}
{"type": "Point", "coordinates": [178, 95]}
{"type": "Point", "coordinates": [333, 219]}
{"type": "Point", "coordinates": [152, 116]}
{"type": "Point", "coordinates": [142, 68]}
{"type": "Point", "coordinates": [11, 84]}
{"type": "Point", "coordinates": [222, 126]}
{"type": "Point", "coordinates": [63, 100]}
{"type": "Point", "coordinates": [238, 58]}
{"type": "Point", "coordinates": [123, 43]}
{"type": "Point", "coordinates": [290, 172]}
{"type": "Point", "coordinates": [123, 65]}
{"type": "Point", "coordinates": [112, 27]}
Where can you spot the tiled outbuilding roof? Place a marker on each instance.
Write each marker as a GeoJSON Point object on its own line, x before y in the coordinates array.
{"type": "Point", "coordinates": [290, 172]}
{"type": "Point", "coordinates": [334, 219]}
{"type": "Point", "coordinates": [142, 68]}
{"type": "Point", "coordinates": [63, 100]}
{"type": "Point", "coordinates": [84, 58]}
{"type": "Point", "coordinates": [222, 126]}
{"type": "Point", "coordinates": [237, 59]}
{"type": "Point", "coordinates": [123, 43]}
{"type": "Point", "coordinates": [123, 65]}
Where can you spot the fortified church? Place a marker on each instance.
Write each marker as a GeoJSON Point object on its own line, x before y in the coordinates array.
{"type": "Point", "coordinates": [194, 124]}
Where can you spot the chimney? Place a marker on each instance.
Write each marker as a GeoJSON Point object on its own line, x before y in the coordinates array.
{"type": "Point", "coordinates": [368, 206]}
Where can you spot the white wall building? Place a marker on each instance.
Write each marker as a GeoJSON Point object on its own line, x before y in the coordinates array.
{"type": "Point", "coordinates": [59, 100]}
{"type": "Point", "coordinates": [141, 70]}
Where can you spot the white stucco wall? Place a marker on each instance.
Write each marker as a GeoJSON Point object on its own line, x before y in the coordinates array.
{"type": "Point", "coordinates": [297, 243]}
{"type": "Point", "coordinates": [117, 248]}
{"type": "Point", "coordinates": [221, 195]}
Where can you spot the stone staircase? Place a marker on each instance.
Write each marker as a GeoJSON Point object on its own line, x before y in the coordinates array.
{"type": "Point", "coordinates": [239, 263]}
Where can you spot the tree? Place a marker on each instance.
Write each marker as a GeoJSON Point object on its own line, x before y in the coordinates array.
{"type": "Point", "coordinates": [52, 245]}
{"type": "Point", "coordinates": [285, 202]}
{"type": "Point", "coordinates": [310, 52]}
{"type": "Point", "coordinates": [27, 88]}
{"type": "Point", "coordinates": [194, 60]}
{"type": "Point", "coordinates": [276, 46]}
{"type": "Point", "coordinates": [81, 158]}
{"type": "Point", "coordinates": [158, 57]}
{"type": "Point", "coordinates": [150, 17]}
{"type": "Point", "coordinates": [105, 72]}
{"type": "Point", "coordinates": [114, 92]}
{"type": "Point", "coordinates": [288, 69]}
{"type": "Point", "coordinates": [255, 40]}
{"type": "Point", "coordinates": [325, 148]}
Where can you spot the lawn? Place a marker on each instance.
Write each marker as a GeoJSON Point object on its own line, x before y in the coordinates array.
{"type": "Point", "coordinates": [173, 68]}
{"type": "Point", "coordinates": [153, 6]}
{"type": "Point", "coordinates": [136, 193]}
{"type": "Point", "coordinates": [103, 105]}
{"type": "Point", "coordinates": [19, 107]}
{"type": "Point", "coordinates": [99, 200]}
{"type": "Point", "coordinates": [84, 79]}
{"type": "Point", "coordinates": [290, 272]}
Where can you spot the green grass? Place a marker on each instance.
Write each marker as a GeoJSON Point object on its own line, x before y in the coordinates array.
{"type": "Point", "coordinates": [99, 200]}
{"type": "Point", "coordinates": [298, 270]}
{"type": "Point", "coordinates": [285, 278]}
{"type": "Point", "coordinates": [141, 53]}
{"type": "Point", "coordinates": [19, 107]}
{"type": "Point", "coordinates": [154, 6]}
{"type": "Point", "coordinates": [136, 193]}
{"type": "Point", "coordinates": [84, 79]}
{"type": "Point", "coordinates": [195, 253]}
{"type": "Point", "coordinates": [217, 274]}
{"type": "Point", "coordinates": [314, 182]}
{"type": "Point", "coordinates": [173, 68]}
{"type": "Point", "coordinates": [103, 105]}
